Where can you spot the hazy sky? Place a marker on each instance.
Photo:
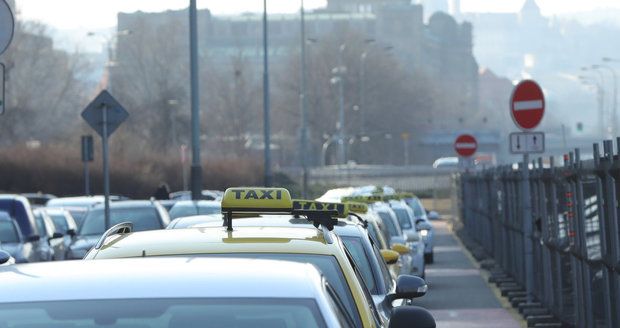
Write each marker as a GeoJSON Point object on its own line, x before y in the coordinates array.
{"type": "Point", "coordinates": [92, 14]}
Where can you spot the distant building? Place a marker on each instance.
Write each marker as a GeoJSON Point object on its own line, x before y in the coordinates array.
{"type": "Point", "coordinates": [441, 48]}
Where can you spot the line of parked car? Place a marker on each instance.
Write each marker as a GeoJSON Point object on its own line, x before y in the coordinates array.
{"type": "Point", "coordinates": [364, 246]}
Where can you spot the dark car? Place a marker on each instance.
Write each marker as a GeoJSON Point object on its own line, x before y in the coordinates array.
{"type": "Point", "coordinates": [13, 242]}
{"type": "Point", "coordinates": [50, 235]}
{"type": "Point", "coordinates": [144, 214]}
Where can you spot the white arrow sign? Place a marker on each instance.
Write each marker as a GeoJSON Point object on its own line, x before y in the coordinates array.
{"type": "Point", "coordinates": [527, 142]}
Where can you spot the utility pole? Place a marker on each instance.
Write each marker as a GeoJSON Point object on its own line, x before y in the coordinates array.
{"type": "Point", "coordinates": [196, 171]}
{"type": "Point", "coordinates": [266, 121]}
{"type": "Point", "coordinates": [614, 108]}
{"type": "Point", "coordinates": [343, 151]}
{"type": "Point", "coordinates": [302, 102]}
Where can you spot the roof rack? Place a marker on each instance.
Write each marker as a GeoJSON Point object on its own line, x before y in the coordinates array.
{"type": "Point", "coordinates": [119, 229]}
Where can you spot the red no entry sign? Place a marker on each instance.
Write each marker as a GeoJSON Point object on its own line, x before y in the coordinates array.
{"type": "Point", "coordinates": [527, 105]}
{"type": "Point", "coordinates": [465, 145]}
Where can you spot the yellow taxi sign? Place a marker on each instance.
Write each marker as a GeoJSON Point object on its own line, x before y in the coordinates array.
{"type": "Point", "coordinates": [256, 200]}
{"type": "Point", "coordinates": [312, 205]}
{"type": "Point", "coordinates": [355, 207]}
{"type": "Point", "coordinates": [363, 199]}
{"type": "Point", "coordinates": [403, 195]}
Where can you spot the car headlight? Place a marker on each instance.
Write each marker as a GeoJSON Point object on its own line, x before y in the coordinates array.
{"type": "Point", "coordinates": [424, 233]}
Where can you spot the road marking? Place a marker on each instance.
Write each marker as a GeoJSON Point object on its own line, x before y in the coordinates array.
{"type": "Point", "coordinates": [528, 105]}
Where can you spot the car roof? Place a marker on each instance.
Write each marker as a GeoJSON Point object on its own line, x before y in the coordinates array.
{"type": "Point", "coordinates": [217, 240]}
{"type": "Point", "coordinates": [343, 228]}
{"type": "Point", "coordinates": [126, 204]}
{"type": "Point", "coordinates": [14, 197]}
{"type": "Point", "coordinates": [168, 277]}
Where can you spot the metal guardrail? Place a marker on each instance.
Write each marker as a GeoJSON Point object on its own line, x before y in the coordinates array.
{"type": "Point", "coordinates": [575, 236]}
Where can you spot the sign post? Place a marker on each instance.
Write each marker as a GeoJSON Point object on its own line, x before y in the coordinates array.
{"type": "Point", "coordinates": [466, 145]}
{"type": "Point", "coordinates": [7, 28]}
{"type": "Point", "coordinates": [87, 156]}
{"type": "Point", "coordinates": [527, 108]}
{"type": "Point", "coordinates": [2, 88]}
{"type": "Point", "coordinates": [104, 114]}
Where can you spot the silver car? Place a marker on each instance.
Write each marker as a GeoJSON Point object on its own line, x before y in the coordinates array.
{"type": "Point", "coordinates": [169, 292]}
{"type": "Point", "coordinates": [404, 214]}
{"type": "Point", "coordinates": [424, 225]}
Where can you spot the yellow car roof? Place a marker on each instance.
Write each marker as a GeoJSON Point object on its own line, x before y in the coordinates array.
{"type": "Point", "coordinates": [303, 240]}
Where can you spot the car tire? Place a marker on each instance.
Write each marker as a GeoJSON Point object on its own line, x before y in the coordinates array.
{"type": "Point", "coordinates": [429, 258]}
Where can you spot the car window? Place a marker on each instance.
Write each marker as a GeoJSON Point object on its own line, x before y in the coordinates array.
{"type": "Point", "coordinates": [206, 210]}
{"type": "Point", "coordinates": [356, 248]}
{"type": "Point", "coordinates": [38, 218]}
{"type": "Point", "coordinates": [403, 218]}
{"type": "Point", "coordinates": [372, 231]}
{"type": "Point", "coordinates": [182, 211]}
{"type": "Point", "coordinates": [389, 224]}
{"type": "Point", "coordinates": [369, 300]}
{"type": "Point", "coordinates": [385, 271]}
{"type": "Point", "coordinates": [8, 233]}
{"type": "Point", "coordinates": [336, 303]}
{"type": "Point", "coordinates": [60, 222]}
{"type": "Point", "coordinates": [415, 205]}
{"type": "Point", "coordinates": [143, 218]}
{"type": "Point", "coordinates": [79, 215]}
{"type": "Point", "coordinates": [327, 264]}
{"type": "Point", "coordinates": [166, 313]}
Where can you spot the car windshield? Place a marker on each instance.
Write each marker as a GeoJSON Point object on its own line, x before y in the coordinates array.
{"type": "Point", "coordinates": [8, 234]}
{"type": "Point", "coordinates": [415, 205]}
{"type": "Point", "coordinates": [387, 220]}
{"type": "Point", "coordinates": [143, 218]}
{"type": "Point", "coordinates": [166, 313]}
{"type": "Point", "coordinates": [403, 218]}
{"type": "Point", "coordinates": [60, 222]}
{"type": "Point", "coordinates": [355, 247]}
{"type": "Point", "coordinates": [327, 264]}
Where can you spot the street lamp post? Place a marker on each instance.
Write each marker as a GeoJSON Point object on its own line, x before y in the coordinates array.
{"type": "Point", "coordinates": [302, 103]}
{"type": "Point", "coordinates": [196, 169]}
{"type": "Point", "coordinates": [600, 100]}
{"type": "Point", "coordinates": [614, 108]}
{"type": "Point", "coordinates": [600, 85]}
{"type": "Point", "coordinates": [341, 128]}
{"type": "Point", "coordinates": [266, 105]}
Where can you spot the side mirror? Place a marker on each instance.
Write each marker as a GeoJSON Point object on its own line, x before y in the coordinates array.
{"type": "Point", "coordinates": [6, 258]}
{"type": "Point", "coordinates": [404, 316]}
{"type": "Point", "coordinates": [412, 236]}
{"type": "Point", "coordinates": [401, 249]}
{"type": "Point", "coordinates": [424, 226]}
{"type": "Point", "coordinates": [57, 235]}
{"type": "Point", "coordinates": [33, 238]}
{"type": "Point", "coordinates": [71, 232]}
{"type": "Point", "coordinates": [389, 256]}
{"type": "Point", "coordinates": [432, 215]}
{"type": "Point", "coordinates": [408, 287]}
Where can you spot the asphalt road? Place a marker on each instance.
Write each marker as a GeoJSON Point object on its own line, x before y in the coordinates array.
{"type": "Point", "coordinates": [458, 296]}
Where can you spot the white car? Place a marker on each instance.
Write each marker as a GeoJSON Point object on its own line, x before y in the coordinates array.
{"type": "Point", "coordinates": [168, 292]}
{"type": "Point", "coordinates": [404, 214]}
{"type": "Point", "coordinates": [395, 235]}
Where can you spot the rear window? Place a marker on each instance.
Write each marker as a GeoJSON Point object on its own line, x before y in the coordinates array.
{"type": "Point", "coordinates": [60, 222]}
{"type": "Point", "coordinates": [403, 218]}
{"type": "Point", "coordinates": [416, 207]}
{"type": "Point", "coordinates": [143, 218]}
{"type": "Point", "coordinates": [8, 234]}
{"type": "Point", "coordinates": [168, 313]}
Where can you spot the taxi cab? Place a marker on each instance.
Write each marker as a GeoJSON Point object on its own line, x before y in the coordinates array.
{"type": "Point", "coordinates": [368, 258]}
{"type": "Point", "coordinates": [140, 293]}
{"type": "Point", "coordinates": [315, 245]}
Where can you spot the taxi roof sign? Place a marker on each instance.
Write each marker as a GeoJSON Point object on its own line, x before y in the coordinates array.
{"type": "Point", "coordinates": [356, 207]}
{"type": "Point", "coordinates": [256, 200]}
{"type": "Point", "coordinates": [363, 199]}
{"type": "Point", "coordinates": [405, 195]}
{"type": "Point", "coordinates": [312, 205]}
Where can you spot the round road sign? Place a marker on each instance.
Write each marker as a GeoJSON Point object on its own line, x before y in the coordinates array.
{"type": "Point", "coordinates": [527, 105]}
{"type": "Point", "coordinates": [7, 25]}
{"type": "Point", "coordinates": [465, 145]}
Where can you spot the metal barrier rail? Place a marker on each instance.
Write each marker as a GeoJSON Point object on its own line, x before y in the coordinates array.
{"type": "Point", "coordinates": [575, 236]}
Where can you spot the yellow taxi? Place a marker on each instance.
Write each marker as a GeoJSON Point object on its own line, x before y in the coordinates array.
{"type": "Point", "coordinates": [318, 246]}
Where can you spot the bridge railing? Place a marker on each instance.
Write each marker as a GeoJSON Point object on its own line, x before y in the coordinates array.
{"type": "Point", "coordinates": [575, 236]}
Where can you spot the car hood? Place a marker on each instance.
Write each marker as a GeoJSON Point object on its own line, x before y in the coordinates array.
{"type": "Point", "coordinates": [85, 242]}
